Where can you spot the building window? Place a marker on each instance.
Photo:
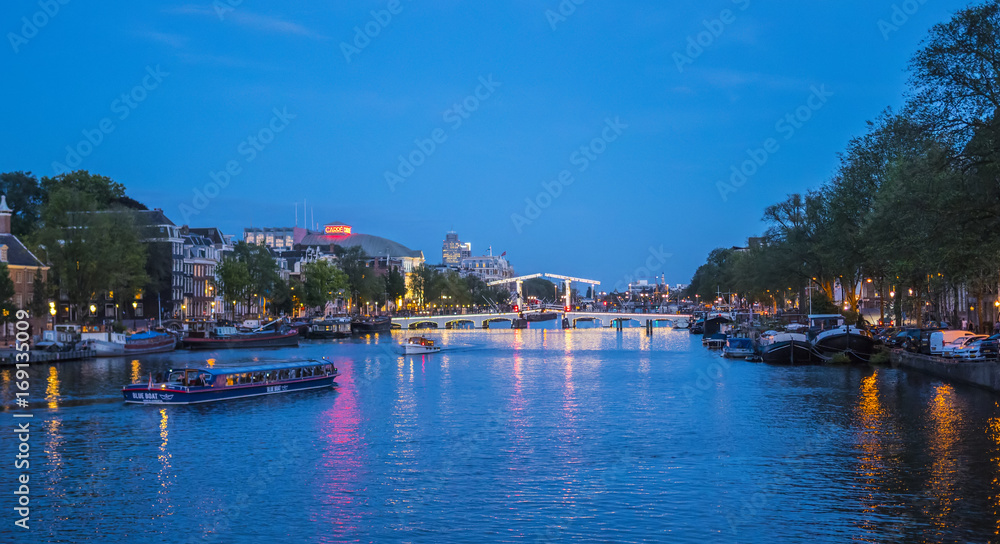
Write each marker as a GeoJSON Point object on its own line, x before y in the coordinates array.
{"type": "Point", "coordinates": [3, 252]}
{"type": "Point", "coordinates": [17, 300]}
{"type": "Point", "coordinates": [20, 277]}
{"type": "Point", "coordinates": [31, 278]}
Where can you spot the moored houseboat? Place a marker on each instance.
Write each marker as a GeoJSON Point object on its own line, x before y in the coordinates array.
{"type": "Point", "coordinates": [831, 336]}
{"type": "Point", "coordinates": [787, 348]}
{"type": "Point", "coordinates": [330, 327]}
{"type": "Point", "coordinates": [231, 338]}
{"type": "Point", "coordinates": [371, 324]}
{"type": "Point", "coordinates": [111, 344]}
{"type": "Point", "coordinates": [198, 385]}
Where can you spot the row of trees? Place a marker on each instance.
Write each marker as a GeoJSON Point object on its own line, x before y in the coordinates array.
{"type": "Point", "coordinates": [914, 206]}
{"type": "Point", "coordinates": [81, 226]}
{"type": "Point", "coordinates": [430, 287]}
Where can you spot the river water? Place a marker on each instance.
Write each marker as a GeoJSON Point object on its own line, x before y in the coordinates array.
{"type": "Point", "coordinates": [513, 436]}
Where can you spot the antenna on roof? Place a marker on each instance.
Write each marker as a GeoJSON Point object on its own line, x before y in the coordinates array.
{"type": "Point", "coordinates": [296, 214]}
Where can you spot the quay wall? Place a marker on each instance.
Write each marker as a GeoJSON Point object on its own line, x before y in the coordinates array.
{"type": "Point", "coordinates": [985, 374]}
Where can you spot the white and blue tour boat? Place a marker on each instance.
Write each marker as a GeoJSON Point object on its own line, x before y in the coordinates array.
{"type": "Point", "coordinates": [197, 385]}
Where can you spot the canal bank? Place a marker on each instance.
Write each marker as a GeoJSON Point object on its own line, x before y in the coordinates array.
{"type": "Point", "coordinates": [985, 374]}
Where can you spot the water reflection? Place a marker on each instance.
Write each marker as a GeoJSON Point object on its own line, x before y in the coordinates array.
{"type": "Point", "coordinates": [871, 463]}
{"type": "Point", "coordinates": [944, 421]}
{"type": "Point", "coordinates": [993, 432]}
{"type": "Point", "coordinates": [343, 453]}
{"type": "Point", "coordinates": [136, 371]}
{"type": "Point", "coordinates": [52, 388]}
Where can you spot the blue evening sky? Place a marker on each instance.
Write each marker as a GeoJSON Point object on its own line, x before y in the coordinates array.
{"type": "Point", "coordinates": [221, 79]}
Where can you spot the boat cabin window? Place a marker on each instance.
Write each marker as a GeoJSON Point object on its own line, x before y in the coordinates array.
{"type": "Point", "coordinates": [176, 376]}
{"type": "Point", "coordinates": [825, 322]}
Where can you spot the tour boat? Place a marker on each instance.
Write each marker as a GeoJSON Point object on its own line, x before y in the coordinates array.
{"type": "Point", "coordinates": [371, 324]}
{"type": "Point", "coordinates": [831, 336]}
{"type": "Point", "coordinates": [230, 338]}
{"type": "Point", "coordinates": [419, 345]}
{"type": "Point", "coordinates": [332, 327]}
{"type": "Point", "coordinates": [197, 385]}
{"type": "Point", "coordinates": [786, 348]}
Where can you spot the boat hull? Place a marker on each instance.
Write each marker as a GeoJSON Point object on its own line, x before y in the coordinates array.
{"type": "Point", "coordinates": [287, 340]}
{"type": "Point", "coordinates": [161, 346]}
{"type": "Point", "coordinates": [790, 352]}
{"type": "Point", "coordinates": [371, 326]}
{"type": "Point", "coordinates": [196, 395]}
{"type": "Point", "coordinates": [327, 335]}
{"type": "Point", "coordinates": [859, 347]}
{"type": "Point", "coordinates": [419, 350]}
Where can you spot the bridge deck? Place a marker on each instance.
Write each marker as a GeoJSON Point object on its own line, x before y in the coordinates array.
{"type": "Point", "coordinates": [606, 318]}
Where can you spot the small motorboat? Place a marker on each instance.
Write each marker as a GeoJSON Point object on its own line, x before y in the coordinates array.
{"type": "Point", "coordinates": [738, 348]}
{"type": "Point", "coordinates": [418, 345]}
{"type": "Point", "coordinates": [715, 341]}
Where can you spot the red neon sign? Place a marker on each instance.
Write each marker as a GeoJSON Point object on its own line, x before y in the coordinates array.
{"type": "Point", "coordinates": [338, 230]}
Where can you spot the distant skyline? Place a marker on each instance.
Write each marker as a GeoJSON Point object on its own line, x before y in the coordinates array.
{"type": "Point", "coordinates": [591, 139]}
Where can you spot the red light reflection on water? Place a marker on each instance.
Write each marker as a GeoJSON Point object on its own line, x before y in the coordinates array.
{"type": "Point", "coordinates": [341, 462]}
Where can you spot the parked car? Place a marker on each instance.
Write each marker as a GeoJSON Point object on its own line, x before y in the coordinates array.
{"type": "Point", "coordinates": [934, 341]}
{"type": "Point", "coordinates": [952, 349]}
{"type": "Point", "coordinates": [906, 338]}
{"type": "Point", "coordinates": [989, 349]}
{"type": "Point", "coordinates": [970, 351]}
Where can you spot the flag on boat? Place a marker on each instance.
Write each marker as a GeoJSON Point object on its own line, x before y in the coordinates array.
{"type": "Point", "coordinates": [150, 380]}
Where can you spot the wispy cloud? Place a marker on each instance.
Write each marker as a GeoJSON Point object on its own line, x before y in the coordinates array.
{"type": "Point", "coordinates": [242, 17]}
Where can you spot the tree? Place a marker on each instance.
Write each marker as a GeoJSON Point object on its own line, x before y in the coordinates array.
{"type": "Point", "coordinates": [119, 254]}
{"type": "Point", "coordinates": [233, 280]}
{"type": "Point", "coordinates": [539, 288]}
{"type": "Point", "coordinates": [353, 261]}
{"type": "Point", "coordinates": [102, 190]}
{"type": "Point", "coordinates": [427, 284]}
{"type": "Point", "coordinates": [39, 295]}
{"type": "Point", "coordinates": [257, 278]}
{"type": "Point", "coordinates": [395, 285]}
{"type": "Point", "coordinates": [322, 282]}
{"type": "Point", "coordinates": [8, 312]}
{"type": "Point", "coordinates": [67, 216]}
{"type": "Point", "coordinates": [956, 74]}
{"type": "Point", "coordinates": [24, 196]}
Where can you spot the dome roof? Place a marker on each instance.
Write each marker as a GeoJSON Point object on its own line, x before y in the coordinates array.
{"type": "Point", "coordinates": [373, 246]}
